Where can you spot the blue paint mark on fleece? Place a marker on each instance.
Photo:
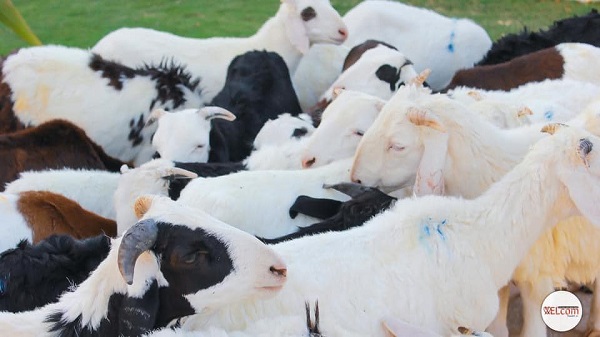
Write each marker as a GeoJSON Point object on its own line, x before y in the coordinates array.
{"type": "Point", "coordinates": [452, 36]}
{"type": "Point", "coordinates": [431, 228]}
{"type": "Point", "coordinates": [549, 115]}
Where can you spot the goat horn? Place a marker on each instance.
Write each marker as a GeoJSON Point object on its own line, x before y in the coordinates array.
{"type": "Point", "coordinates": [138, 239]}
{"type": "Point", "coordinates": [421, 78]}
{"type": "Point", "coordinates": [350, 189]}
{"type": "Point", "coordinates": [211, 112]}
{"type": "Point", "coordinates": [422, 117]}
{"type": "Point", "coordinates": [176, 172]}
{"type": "Point", "coordinates": [585, 147]}
{"type": "Point", "coordinates": [552, 127]}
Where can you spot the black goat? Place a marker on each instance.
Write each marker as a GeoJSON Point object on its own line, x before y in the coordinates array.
{"type": "Point", "coordinates": [584, 29]}
{"type": "Point", "coordinates": [34, 275]}
{"type": "Point", "coordinates": [258, 88]}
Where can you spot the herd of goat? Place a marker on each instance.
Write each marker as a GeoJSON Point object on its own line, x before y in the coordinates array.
{"type": "Point", "coordinates": [385, 173]}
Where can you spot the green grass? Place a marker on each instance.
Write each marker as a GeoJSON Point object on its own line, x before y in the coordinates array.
{"type": "Point", "coordinates": [83, 22]}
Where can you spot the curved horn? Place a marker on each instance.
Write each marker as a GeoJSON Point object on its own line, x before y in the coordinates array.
{"type": "Point", "coordinates": [179, 173]}
{"type": "Point", "coordinates": [421, 78]}
{"type": "Point", "coordinates": [154, 116]}
{"type": "Point", "coordinates": [138, 239]}
{"type": "Point", "coordinates": [425, 118]}
{"type": "Point", "coordinates": [552, 127]}
{"type": "Point", "coordinates": [585, 147]}
{"type": "Point", "coordinates": [350, 189]}
{"type": "Point", "coordinates": [212, 112]}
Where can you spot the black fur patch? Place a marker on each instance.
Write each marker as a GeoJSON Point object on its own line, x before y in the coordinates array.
{"type": "Point", "coordinates": [125, 317]}
{"type": "Point", "coordinates": [36, 275]}
{"type": "Point", "coordinates": [202, 170]}
{"type": "Point", "coordinates": [391, 75]}
{"type": "Point", "coordinates": [308, 13]}
{"type": "Point", "coordinates": [299, 132]}
{"type": "Point", "coordinates": [584, 29]}
{"type": "Point", "coordinates": [168, 76]}
{"type": "Point", "coordinates": [135, 130]}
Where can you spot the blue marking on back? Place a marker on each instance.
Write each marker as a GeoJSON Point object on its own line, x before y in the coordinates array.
{"type": "Point", "coordinates": [450, 46]}
{"type": "Point", "coordinates": [549, 115]}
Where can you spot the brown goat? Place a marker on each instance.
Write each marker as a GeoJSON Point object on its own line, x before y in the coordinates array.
{"type": "Point", "coordinates": [52, 145]}
{"type": "Point", "coordinates": [49, 213]}
{"type": "Point", "coordinates": [535, 67]}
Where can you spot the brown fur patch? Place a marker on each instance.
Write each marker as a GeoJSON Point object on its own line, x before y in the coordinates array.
{"type": "Point", "coordinates": [535, 67]}
{"type": "Point", "coordinates": [51, 145]}
{"type": "Point", "coordinates": [8, 121]}
{"type": "Point", "coordinates": [49, 213]}
{"type": "Point", "coordinates": [357, 51]}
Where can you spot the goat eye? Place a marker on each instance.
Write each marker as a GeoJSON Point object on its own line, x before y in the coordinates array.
{"type": "Point", "coordinates": [199, 146]}
{"type": "Point", "coordinates": [308, 13]}
{"type": "Point", "coordinates": [359, 133]}
{"type": "Point", "coordinates": [396, 147]}
{"type": "Point", "coordinates": [193, 257]}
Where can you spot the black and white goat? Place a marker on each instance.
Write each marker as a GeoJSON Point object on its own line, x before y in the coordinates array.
{"type": "Point", "coordinates": [174, 262]}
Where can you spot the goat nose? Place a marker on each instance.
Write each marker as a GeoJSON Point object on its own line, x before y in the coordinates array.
{"type": "Point", "coordinates": [354, 180]}
{"type": "Point", "coordinates": [306, 163]}
{"type": "Point", "coordinates": [343, 32]}
{"type": "Point", "coordinates": [278, 270]}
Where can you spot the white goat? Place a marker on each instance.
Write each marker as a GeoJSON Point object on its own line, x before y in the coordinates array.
{"type": "Point", "coordinates": [428, 39]}
{"type": "Point", "coordinates": [184, 136]}
{"type": "Point", "coordinates": [427, 140]}
{"type": "Point", "coordinates": [255, 201]}
{"type": "Point", "coordinates": [431, 247]}
{"type": "Point", "coordinates": [342, 125]}
{"type": "Point", "coordinates": [297, 25]}
{"type": "Point", "coordinates": [380, 71]}
{"type": "Point", "coordinates": [108, 101]}
{"type": "Point", "coordinates": [549, 100]}
{"type": "Point", "coordinates": [114, 297]}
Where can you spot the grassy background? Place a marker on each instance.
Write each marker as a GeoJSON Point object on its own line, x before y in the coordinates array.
{"type": "Point", "coordinates": [83, 22]}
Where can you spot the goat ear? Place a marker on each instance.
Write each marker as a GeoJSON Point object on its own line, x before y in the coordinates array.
{"type": "Point", "coordinates": [212, 112]}
{"type": "Point", "coordinates": [154, 116]}
{"type": "Point", "coordinates": [430, 174]}
{"type": "Point", "coordinates": [421, 117]}
{"type": "Point", "coordinates": [337, 91]}
{"type": "Point", "coordinates": [142, 205]}
{"type": "Point", "coordinates": [294, 26]}
{"type": "Point", "coordinates": [421, 78]}
{"type": "Point", "coordinates": [583, 185]}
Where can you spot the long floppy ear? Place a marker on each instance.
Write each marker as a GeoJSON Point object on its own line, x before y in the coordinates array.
{"type": "Point", "coordinates": [212, 112]}
{"type": "Point", "coordinates": [294, 26]}
{"type": "Point", "coordinates": [430, 175]}
{"type": "Point", "coordinates": [155, 115]}
{"type": "Point", "coordinates": [583, 185]}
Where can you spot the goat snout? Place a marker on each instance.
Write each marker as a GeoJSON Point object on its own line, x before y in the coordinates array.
{"type": "Point", "coordinates": [355, 180]}
{"type": "Point", "coordinates": [278, 270]}
{"type": "Point", "coordinates": [343, 32]}
{"type": "Point", "coordinates": [306, 163]}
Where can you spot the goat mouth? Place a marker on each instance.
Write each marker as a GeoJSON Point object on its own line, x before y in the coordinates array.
{"type": "Point", "coordinates": [271, 288]}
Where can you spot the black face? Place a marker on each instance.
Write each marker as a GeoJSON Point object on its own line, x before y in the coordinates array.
{"type": "Point", "coordinates": [191, 260]}
{"type": "Point", "coordinates": [308, 13]}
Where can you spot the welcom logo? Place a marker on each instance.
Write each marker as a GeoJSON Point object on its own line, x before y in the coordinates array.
{"type": "Point", "coordinates": [561, 311]}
